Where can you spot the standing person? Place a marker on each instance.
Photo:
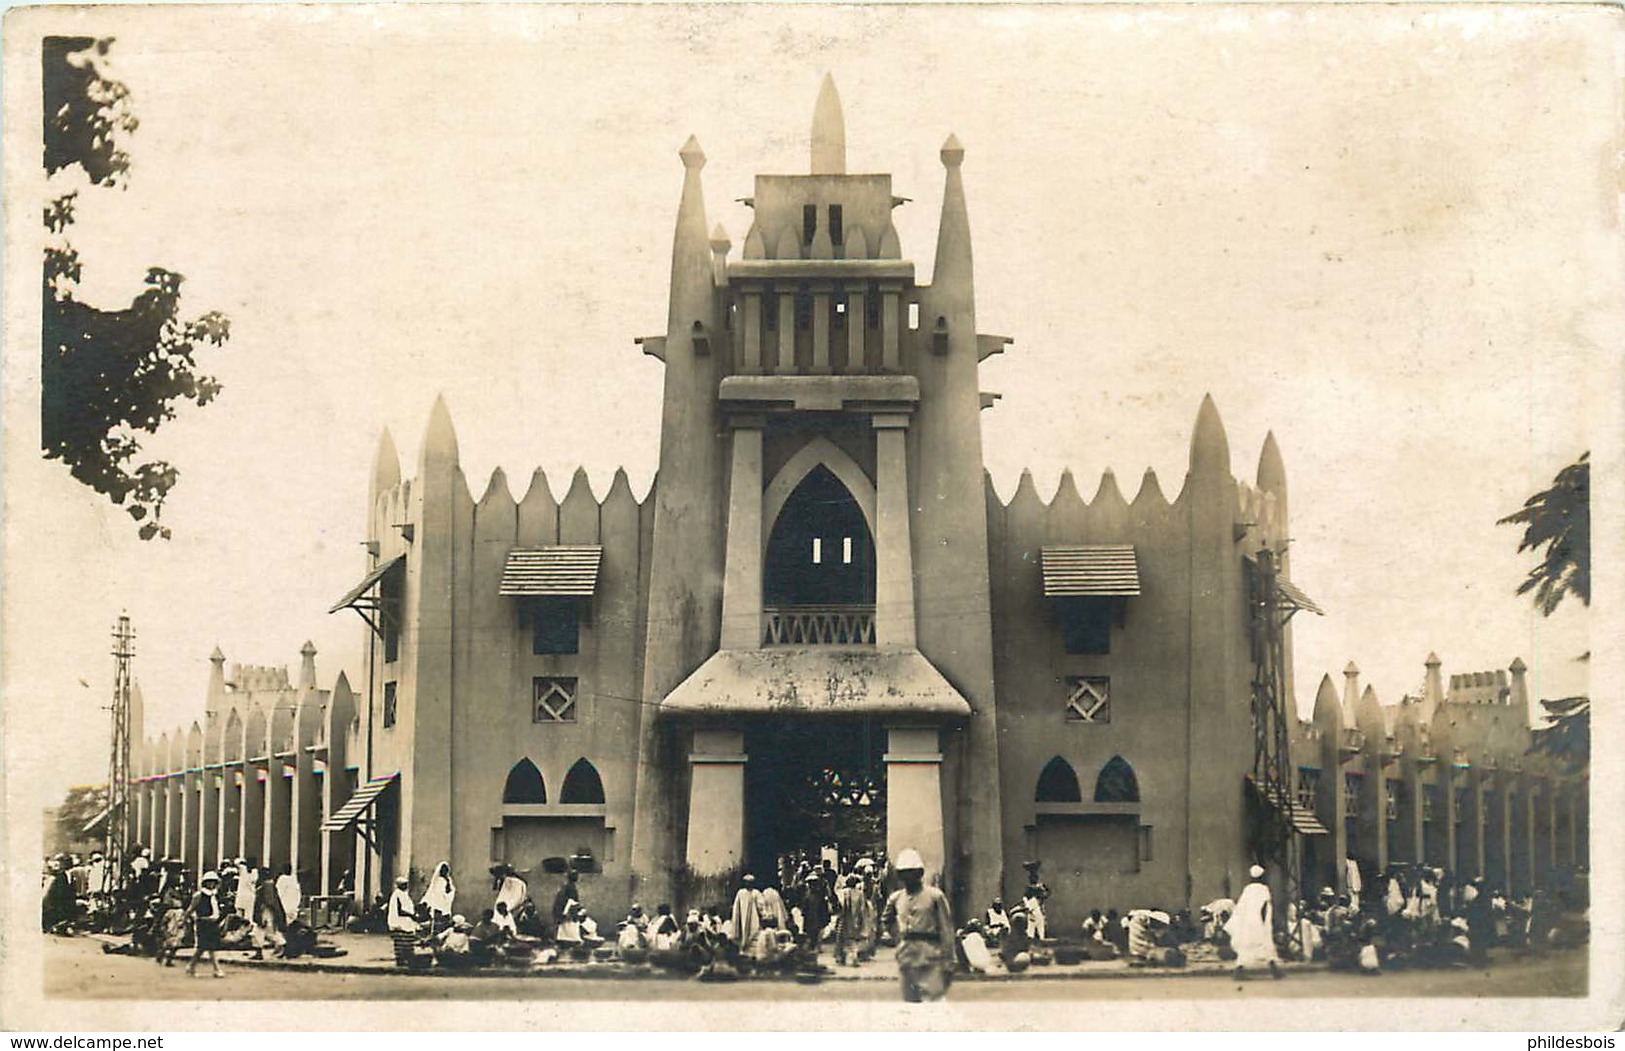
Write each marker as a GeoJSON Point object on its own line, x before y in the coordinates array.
{"type": "Point", "coordinates": [1480, 923]}
{"type": "Point", "coordinates": [1252, 927]}
{"type": "Point", "coordinates": [920, 919]}
{"type": "Point", "coordinates": [243, 894]}
{"type": "Point", "coordinates": [289, 893]}
{"type": "Point", "coordinates": [403, 923]}
{"type": "Point", "coordinates": [848, 921]}
{"type": "Point", "coordinates": [1032, 900]}
{"type": "Point", "coordinates": [204, 912]}
{"type": "Point", "coordinates": [438, 897]}
{"type": "Point", "coordinates": [746, 919]}
{"type": "Point", "coordinates": [561, 901]}
{"type": "Point", "coordinates": [269, 919]}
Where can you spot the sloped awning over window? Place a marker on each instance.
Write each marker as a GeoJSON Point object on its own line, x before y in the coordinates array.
{"type": "Point", "coordinates": [1292, 595]}
{"type": "Point", "coordinates": [1090, 570]}
{"type": "Point", "coordinates": [367, 583]}
{"type": "Point", "coordinates": [364, 797]}
{"type": "Point", "coordinates": [554, 571]}
{"type": "Point", "coordinates": [1301, 819]}
{"type": "Point", "coordinates": [816, 680]}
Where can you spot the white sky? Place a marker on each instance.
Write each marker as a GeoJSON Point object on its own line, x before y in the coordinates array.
{"type": "Point", "coordinates": [1384, 233]}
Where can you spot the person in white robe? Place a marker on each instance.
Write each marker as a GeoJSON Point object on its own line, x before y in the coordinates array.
{"type": "Point", "coordinates": [439, 895]}
{"type": "Point", "coordinates": [772, 906]}
{"type": "Point", "coordinates": [511, 891]}
{"type": "Point", "coordinates": [1032, 900]}
{"type": "Point", "coordinates": [289, 892]}
{"type": "Point", "coordinates": [243, 900]}
{"type": "Point", "coordinates": [503, 920]}
{"type": "Point", "coordinates": [1252, 927]}
{"type": "Point", "coordinates": [997, 922]}
{"type": "Point", "coordinates": [747, 913]}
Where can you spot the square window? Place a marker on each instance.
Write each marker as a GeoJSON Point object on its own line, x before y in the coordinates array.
{"type": "Point", "coordinates": [389, 705]}
{"type": "Point", "coordinates": [555, 626]}
{"type": "Point", "coordinates": [554, 699]}
{"type": "Point", "coordinates": [1088, 699]}
{"type": "Point", "coordinates": [1086, 625]}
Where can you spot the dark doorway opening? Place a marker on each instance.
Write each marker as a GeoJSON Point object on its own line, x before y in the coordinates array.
{"type": "Point", "coordinates": [813, 785]}
{"type": "Point", "coordinates": [820, 552]}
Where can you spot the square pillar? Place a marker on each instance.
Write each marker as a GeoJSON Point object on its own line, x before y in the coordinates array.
{"type": "Point", "coordinates": [914, 795]}
{"type": "Point", "coordinates": [890, 357]}
{"type": "Point", "coordinates": [208, 820]}
{"type": "Point", "coordinates": [857, 327]}
{"type": "Point", "coordinates": [742, 571]}
{"type": "Point", "coordinates": [278, 807]}
{"type": "Point", "coordinates": [820, 320]}
{"type": "Point", "coordinates": [231, 811]}
{"type": "Point", "coordinates": [894, 551]}
{"type": "Point", "coordinates": [253, 818]}
{"type": "Point", "coordinates": [753, 334]}
{"type": "Point", "coordinates": [304, 850]}
{"type": "Point", "coordinates": [716, 802]}
{"type": "Point", "coordinates": [191, 786]}
{"type": "Point", "coordinates": [786, 363]}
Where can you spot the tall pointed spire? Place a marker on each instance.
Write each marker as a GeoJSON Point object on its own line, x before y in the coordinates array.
{"type": "Point", "coordinates": [440, 437]}
{"type": "Point", "coordinates": [828, 132]}
{"type": "Point", "coordinates": [692, 272]}
{"type": "Point", "coordinates": [386, 466]}
{"type": "Point", "coordinates": [1210, 449]}
{"type": "Point", "coordinates": [953, 272]}
{"type": "Point", "coordinates": [307, 666]}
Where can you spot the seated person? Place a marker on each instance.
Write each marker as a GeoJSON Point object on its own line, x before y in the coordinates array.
{"type": "Point", "coordinates": [1015, 948]}
{"type": "Point", "coordinates": [504, 921]}
{"type": "Point", "coordinates": [1145, 928]}
{"type": "Point", "coordinates": [454, 947]}
{"type": "Point", "coordinates": [997, 922]}
{"type": "Point", "coordinates": [973, 948]}
{"type": "Point", "coordinates": [663, 931]}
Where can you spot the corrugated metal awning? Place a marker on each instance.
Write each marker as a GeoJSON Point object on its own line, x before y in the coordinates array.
{"type": "Point", "coordinates": [364, 797]}
{"type": "Point", "coordinates": [1090, 570]}
{"type": "Point", "coordinates": [1302, 820]}
{"type": "Point", "coordinates": [367, 582]}
{"type": "Point", "coordinates": [557, 571]}
{"type": "Point", "coordinates": [1294, 596]}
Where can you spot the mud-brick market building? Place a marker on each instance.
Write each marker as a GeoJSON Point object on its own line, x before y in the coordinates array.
{"type": "Point", "coordinates": [822, 625]}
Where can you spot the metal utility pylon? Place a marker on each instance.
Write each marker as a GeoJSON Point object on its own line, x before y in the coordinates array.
{"type": "Point", "coordinates": [1272, 762]}
{"type": "Point", "coordinates": [118, 764]}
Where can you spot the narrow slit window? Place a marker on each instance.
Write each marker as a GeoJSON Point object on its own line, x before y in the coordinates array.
{"type": "Point", "coordinates": [818, 550]}
{"type": "Point", "coordinates": [837, 229]}
{"type": "Point", "coordinates": [914, 317]}
{"type": "Point", "coordinates": [809, 223]}
{"type": "Point", "coordinates": [846, 551]}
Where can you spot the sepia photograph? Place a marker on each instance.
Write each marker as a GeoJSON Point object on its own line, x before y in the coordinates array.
{"type": "Point", "coordinates": [596, 516]}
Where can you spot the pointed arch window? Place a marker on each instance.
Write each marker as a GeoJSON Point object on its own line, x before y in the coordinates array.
{"type": "Point", "coordinates": [1117, 783]}
{"type": "Point", "coordinates": [525, 784]}
{"type": "Point", "coordinates": [1058, 783]}
{"type": "Point", "coordinates": [582, 784]}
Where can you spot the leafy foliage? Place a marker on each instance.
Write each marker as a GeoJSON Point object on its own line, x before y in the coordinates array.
{"type": "Point", "coordinates": [1566, 736]}
{"type": "Point", "coordinates": [108, 376]}
{"type": "Point", "coordinates": [1558, 519]}
{"type": "Point", "coordinates": [81, 805]}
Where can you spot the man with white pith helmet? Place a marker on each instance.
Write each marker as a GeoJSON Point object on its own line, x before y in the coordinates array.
{"type": "Point", "coordinates": [920, 919]}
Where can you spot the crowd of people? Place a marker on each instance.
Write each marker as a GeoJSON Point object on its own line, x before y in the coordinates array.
{"type": "Point", "coordinates": [1414, 916]}
{"type": "Point", "coordinates": [163, 910]}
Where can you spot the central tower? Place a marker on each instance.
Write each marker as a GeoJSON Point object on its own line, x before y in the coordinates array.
{"type": "Point", "coordinates": [819, 567]}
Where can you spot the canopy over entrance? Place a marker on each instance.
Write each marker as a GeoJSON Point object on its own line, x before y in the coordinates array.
{"type": "Point", "coordinates": [816, 680]}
